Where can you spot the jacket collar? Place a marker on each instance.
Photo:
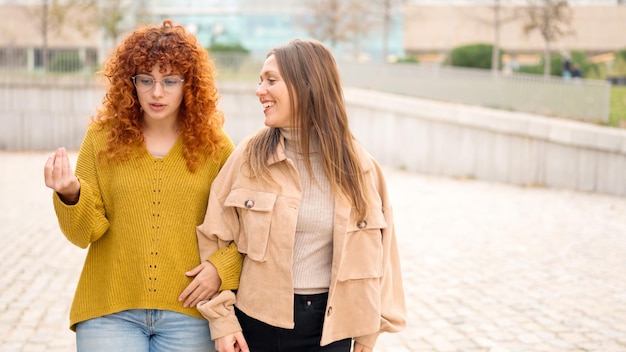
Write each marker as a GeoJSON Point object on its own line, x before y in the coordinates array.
{"type": "Point", "coordinates": [280, 155]}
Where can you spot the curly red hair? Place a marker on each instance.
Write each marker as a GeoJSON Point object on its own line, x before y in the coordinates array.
{"type": "Point", "coordinates": [169, 45]}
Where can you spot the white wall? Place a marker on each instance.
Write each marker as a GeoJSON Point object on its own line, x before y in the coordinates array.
{"type": "Point", "coordinates": [466, 141]}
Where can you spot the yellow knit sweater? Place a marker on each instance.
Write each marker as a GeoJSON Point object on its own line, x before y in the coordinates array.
{"type": "Point", "coordinates": [139, 219]}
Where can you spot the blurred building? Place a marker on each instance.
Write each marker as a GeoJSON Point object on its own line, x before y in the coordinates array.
{"type": "Point", "coordinates": [516, 2]}
{"type": "Point", "coordinates": [260, 25]}
{"type": "Point", "coordinates": [425, 29]}
{"type": "Point", "coordinates": [22, 39]}
{"type": "Point", "coordinates": [433, 28]}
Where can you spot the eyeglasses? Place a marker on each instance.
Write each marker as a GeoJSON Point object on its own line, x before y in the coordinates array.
{"type": "Point", "coordinates": [144, 83]}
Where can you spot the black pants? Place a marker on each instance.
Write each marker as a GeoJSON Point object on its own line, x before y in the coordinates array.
{"type": "Point", "coordinates": [305, 337]}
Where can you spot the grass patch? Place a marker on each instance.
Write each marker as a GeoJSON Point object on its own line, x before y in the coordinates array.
{"type": "Point", "coordinates": [618, 106]}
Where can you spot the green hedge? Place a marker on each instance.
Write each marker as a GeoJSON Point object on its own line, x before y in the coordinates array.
{"type": "Point", "coordinates": [408, 59]}
{"type": "Point", "coordinates": [227, 48]}
{"type": "Point", "coordinates": [473, 55]}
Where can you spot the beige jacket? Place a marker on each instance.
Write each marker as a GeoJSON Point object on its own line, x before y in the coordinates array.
{"type": "Point", "coordinates": [365, 294]}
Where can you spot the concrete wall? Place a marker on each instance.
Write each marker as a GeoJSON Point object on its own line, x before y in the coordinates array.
{"type": "Point", "coordinates": [467, 141]}
{"type": "Point", "coordinates": [411, 133]}
{"type": "Point", "coordinates": [44, 112]}
{"type": "Point", "coordinates": [243, 111]}
{"type": "Point", "coordinates": [39, 113]}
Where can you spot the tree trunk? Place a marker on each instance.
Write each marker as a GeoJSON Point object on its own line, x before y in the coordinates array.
{"type": "Point", "coordinates": [547, 65]}
{"type": "Point", "coordinates": [546, 36]}
{"type": "Point", "coordinates": [386, 21]}
{"type": "Point", "coordinates": [44, 36]}
{"type": "Point", "coordinates": [495, 53]}
{"type": "Point", "coordinates": [356, 47]}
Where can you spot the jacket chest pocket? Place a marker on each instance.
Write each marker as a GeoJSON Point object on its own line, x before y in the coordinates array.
{"type": "Point", "coordinates": [363, 249]}
{"type": "Point", "coordinates": [255, 218]}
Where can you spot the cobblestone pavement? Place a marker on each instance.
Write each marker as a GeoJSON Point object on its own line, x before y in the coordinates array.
{"type": "Point", "coordinates": [487, 267]}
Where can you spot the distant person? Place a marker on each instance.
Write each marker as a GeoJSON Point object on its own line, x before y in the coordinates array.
{"type": "Point", "coordinates": [141, 187]}
{"type": "Point", "coordinates": [309, 209]}
{"type": "Point", "coordinates": [567, 68]}
{"type": "Point", "coordinates": [576, 71]}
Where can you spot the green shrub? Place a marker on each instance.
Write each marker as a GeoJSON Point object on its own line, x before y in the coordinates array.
{"type": "Point", "coordinates": [531, 69]}
{"type": "Point", "coordinates": [473, 55]}
{"type": "Point", "coordinates": [408, 59]}
{"type": "Point", "coordinates": [228, 57]}
{"type": "Point", "coordinates": [587, 68]}
{"type": "Point", "coordinates": [227, 48]}
{"type": "Point", "coordinates": [618, 69]}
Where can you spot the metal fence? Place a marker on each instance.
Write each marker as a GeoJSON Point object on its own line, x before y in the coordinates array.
{"type": "Point", "coordinates": [51, 61]}
{"type": "Point", "coordinates": [581, 99]}
{"type": "Point", "coordinates": [83, 61]}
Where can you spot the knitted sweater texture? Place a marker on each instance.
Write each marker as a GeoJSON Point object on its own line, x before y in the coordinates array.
{"type": "Point", "coordinates": [313, 243]}
{"type": "Point", "coordinates": [138, 218]}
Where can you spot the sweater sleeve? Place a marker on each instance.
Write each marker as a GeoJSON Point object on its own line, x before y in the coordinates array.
{"type": "Point", "coordinates": [85, 221]}
{"type": "Point", "coordinates": [228, 262]}
{"type": "Point", "coordinates": [216, 244]}
{"type": "Point", "coordinates": [217, 231]}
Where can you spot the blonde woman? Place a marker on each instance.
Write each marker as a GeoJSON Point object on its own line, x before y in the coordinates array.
{"type": "Point", "coordinates": [308, 208]}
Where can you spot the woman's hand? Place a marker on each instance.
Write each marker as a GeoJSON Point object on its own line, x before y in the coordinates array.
{"type": "Point", "coordinates": [360, 348]}
{"type": "Point", "coordinates": [205, 285]}
{"type": "Point", "coordinates": [59, 176]}
{"type": "Point", "coordinates": [232, 343]}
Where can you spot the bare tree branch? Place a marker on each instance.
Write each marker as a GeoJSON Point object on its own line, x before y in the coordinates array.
{"type": "Point", "coordinates": [552, 19]}
{"type": "Point", "coordinates": [339, 21]}
{"type": "Point", "coordinates": [111, 16]}
{"type": "Point", "coordinates": [501, 15]}
{"type": "Point", "coordinates": [54, 15]}
{"type": "Point", "coordinates": [384, 9]}
{"type": "Point", "coordinates": [331, 21]}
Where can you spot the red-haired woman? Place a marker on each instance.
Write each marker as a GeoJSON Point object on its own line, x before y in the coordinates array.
{"type": "Point", "coordinates": [140, 188]}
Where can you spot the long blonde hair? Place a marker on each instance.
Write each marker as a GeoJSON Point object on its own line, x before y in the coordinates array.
{"type": "Point", "coordinates": [313, 82]}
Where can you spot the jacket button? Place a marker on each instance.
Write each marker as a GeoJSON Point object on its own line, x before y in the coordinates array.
{"type": "Point", "coordinates": [329, 311]}
{"type": "Point", "coordinates": [361, 224]}
{"type": "Point", "coordinates": [249, 203]}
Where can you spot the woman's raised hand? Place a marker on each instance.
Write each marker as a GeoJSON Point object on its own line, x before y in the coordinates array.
{"type": "Point", "coordinates": [60, 177]}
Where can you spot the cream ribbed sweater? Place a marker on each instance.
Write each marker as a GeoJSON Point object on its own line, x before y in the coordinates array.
{"type": "Point", "coordinates": [313, 247]}
{"type": "Point", "coordinates": [139, 220]}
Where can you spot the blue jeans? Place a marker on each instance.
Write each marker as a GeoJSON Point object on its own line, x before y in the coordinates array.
{"type": "Point", "coordinates": [144, 330]}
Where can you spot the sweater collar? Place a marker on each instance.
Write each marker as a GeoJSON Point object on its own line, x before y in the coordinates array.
{"type": "Point", "coordinates": [290, 134]}
{"type": "Point", "coordinates": [362, 155]}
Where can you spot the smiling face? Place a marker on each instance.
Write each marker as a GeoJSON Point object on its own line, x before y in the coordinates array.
{"type": "Point", "coordinates": [274, 95]}
{"type": "Point", "coordinates": [157, 103]}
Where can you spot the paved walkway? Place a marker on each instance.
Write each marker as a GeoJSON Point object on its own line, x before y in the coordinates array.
{"type": "Point", "coordinates": [487, 267]}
